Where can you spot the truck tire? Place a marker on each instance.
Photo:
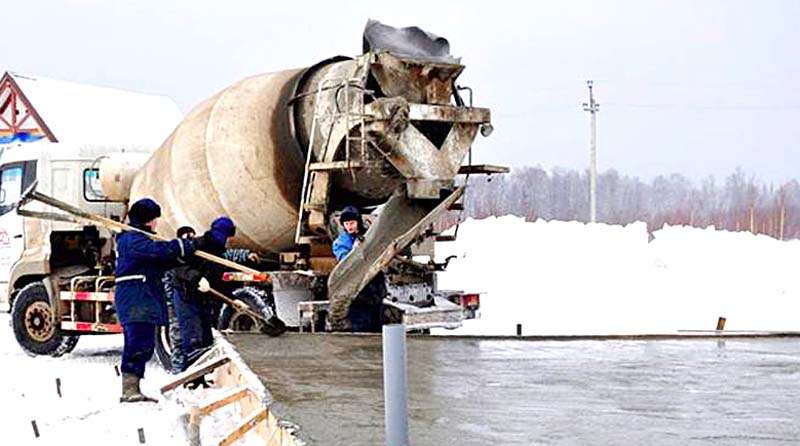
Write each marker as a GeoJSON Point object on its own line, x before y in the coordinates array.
{"type": "Point", "coordinates": [261, 302]}
{"type": "Point", "coordinates": [164, 348]}
{"type": "Point", "coordinates": [33, 321]}
{"type": "Point", "coordinates": [166, 337]}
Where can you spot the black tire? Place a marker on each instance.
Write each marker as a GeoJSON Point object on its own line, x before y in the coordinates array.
{"type": "Point", "coordinates": [33, 321]}
{"type": "Point", "coordinates": [165, 336]}
{"type": "Point", "coordinates": [260, 301]}
{"type": "Point", "coordinates": [164, 348]}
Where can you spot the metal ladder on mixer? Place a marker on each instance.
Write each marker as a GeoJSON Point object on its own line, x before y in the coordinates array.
{"type": "Point", "coordinates": [352, 88]}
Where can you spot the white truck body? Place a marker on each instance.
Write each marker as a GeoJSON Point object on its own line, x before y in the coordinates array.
{"type": "Point", "coordinates": [64, 171]}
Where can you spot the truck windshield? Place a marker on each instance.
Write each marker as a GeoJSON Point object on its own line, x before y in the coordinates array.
{"type": "Point", "coordinates": [15, 178]}
{"type": "Point", "coordinates": [10, 187]}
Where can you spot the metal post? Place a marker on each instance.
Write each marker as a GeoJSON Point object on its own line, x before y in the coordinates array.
{"type": "Point", "coordinates": [395, 385]}
{"type": "Point", "coordinates": [592, 107]}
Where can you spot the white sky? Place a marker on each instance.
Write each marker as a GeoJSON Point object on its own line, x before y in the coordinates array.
{"type": "Point", "coordinates": [684, 86]}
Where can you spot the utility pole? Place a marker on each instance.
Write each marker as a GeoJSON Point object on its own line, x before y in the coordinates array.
{"type": "Point", "coordinates": [592, 107]}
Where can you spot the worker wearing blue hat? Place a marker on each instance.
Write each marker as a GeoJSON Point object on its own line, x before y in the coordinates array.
{"type": "Point", "coordinates": [139, 295]}
{"type": "Point", "coordinates": [188, 286]}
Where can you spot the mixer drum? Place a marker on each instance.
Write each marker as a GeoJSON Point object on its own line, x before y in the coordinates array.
{"type": "Point", "coordinates": [233, 155]}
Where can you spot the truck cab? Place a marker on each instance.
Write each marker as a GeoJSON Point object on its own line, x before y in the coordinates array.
{"type": "Point", "coordinates": [40, 257]}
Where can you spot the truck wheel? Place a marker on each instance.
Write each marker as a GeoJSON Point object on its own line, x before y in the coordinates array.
{"type": "Point", "coordinates": [261, 302]}
{"type": "Point", "coordinates": [165, 337]}
{"type": "Point", "coordinates": [164, 348]}
{"type": "Point", "coordinates": [34, 323]}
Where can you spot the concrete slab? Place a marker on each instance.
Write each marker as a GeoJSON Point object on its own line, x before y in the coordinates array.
{"type": "Point", "coordinates": [518, 392]}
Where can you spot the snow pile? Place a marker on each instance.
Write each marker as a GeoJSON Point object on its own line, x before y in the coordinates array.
{"type": "Point", "coordinates": [572, 278]}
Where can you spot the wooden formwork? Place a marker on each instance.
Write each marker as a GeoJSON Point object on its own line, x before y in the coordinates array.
{"type": "Point", "coordinates": [242, 389]}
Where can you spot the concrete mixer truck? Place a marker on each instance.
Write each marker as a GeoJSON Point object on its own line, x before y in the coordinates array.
{"type": "Point", "coordinates": [281, 154]}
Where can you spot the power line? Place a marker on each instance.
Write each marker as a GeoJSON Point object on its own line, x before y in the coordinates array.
{"type": "Point", "coordinates": [545, 108]}
{"type": "Point", "coordinates": [743, 107]}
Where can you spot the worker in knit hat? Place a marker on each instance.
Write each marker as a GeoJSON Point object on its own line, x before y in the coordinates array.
{"type": "Point", "coordinates": [139, 295]}
{"type": "Point", "coordinates": [366, 309]}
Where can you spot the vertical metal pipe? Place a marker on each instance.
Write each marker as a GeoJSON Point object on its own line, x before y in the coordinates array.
{"type": "Point", "coordinates": [395, 385]}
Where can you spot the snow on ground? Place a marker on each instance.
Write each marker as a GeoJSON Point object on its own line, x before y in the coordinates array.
{"type": "Point", "coordinates": [89, 412]}
{"type": "Point", "coordinates": [573, 278]}
{"type": "Point", "coordinates": [552, 277]}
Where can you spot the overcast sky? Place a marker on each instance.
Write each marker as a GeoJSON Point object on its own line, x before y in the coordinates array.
{"type": "Point", "coordinates": [695, 87]}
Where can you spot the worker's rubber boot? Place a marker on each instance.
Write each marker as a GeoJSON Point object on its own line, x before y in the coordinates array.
{"type": "Point", "coordinates": [131, 392]}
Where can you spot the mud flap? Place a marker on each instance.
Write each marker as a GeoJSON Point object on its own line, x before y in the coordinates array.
{"type": "Point", "coordinates": [398, 224]}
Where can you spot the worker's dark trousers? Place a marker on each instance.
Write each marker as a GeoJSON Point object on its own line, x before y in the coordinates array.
{"type": "Point", "coordinates": [140, 339]}
{"type": "Point", "coordinates": [365, 318]}
{"type": "Point", "coordinates": [194, 325]}
{"type": "Point", "coordinates": [366, 310]}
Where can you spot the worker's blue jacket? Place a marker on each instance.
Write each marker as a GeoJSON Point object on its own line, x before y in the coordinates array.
{"type": "Point", "coordinates": [343, 245]}
{"type": "Point", "coordinates": [141, 263]}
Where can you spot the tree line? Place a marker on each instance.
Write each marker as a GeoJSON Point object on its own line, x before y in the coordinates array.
{"type": "Point", "coordinates": [739, 202]}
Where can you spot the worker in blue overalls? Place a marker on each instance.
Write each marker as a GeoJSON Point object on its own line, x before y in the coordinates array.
{"type": "Point", "coordinates": [139, 295]}
{"type": "Point", "coordinates": [366, 309]}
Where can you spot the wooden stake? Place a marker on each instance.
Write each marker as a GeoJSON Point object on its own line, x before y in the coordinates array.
{"type": "Point", "coordinates": [141, 435]}
{"type": "Point", "coordinates": [35, 429]}
{"type": "Point", "coordinates": [58, 386]}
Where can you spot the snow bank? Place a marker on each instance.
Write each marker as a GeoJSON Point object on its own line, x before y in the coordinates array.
{"type": "Point", "coordinates": [573, 278]}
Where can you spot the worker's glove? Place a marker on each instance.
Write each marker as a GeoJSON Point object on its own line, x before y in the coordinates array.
{"type": "Point", "coordinates": [203, 285]}
{"type": "Point", "coordinates": [254, 257]}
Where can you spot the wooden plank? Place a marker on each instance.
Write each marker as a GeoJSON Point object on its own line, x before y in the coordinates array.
{"type": "Point", "coordinates": [75, 212]}
{"type": "Point", "coordinates": [234, 395]}
{"type": "Point", "coordinates": [244, 427]}
{"type": "Point", "coordinates": [195, 373]}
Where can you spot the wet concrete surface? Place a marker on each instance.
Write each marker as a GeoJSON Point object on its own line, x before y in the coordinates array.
{"type": "Point", "coordinates": [514, 392]}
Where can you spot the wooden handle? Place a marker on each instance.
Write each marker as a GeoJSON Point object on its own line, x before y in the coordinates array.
{"type": "Point", "coordinates": [237, 304]}
{"type": "Point", "coordinates": [113, 224]}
